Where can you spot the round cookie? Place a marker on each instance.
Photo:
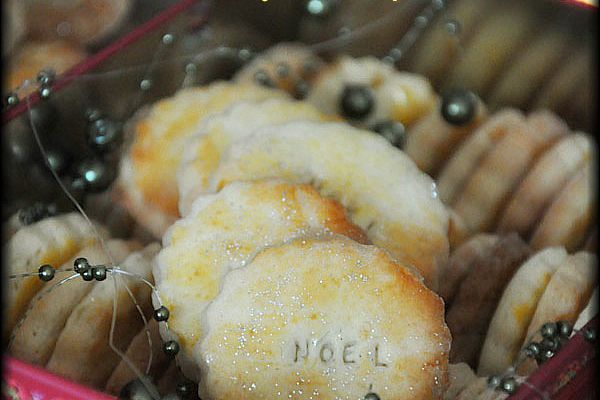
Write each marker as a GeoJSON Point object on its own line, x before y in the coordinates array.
{"type": "Point", "coordinates": [475, 302]}
{"type": "Point", "coordinates": [82, 352]}
{"type": "Point", "coordinates": [50, 241]}
{"type": "Point", "coordinates": [467, 157]}
{"type": "Point", "coordinates": [331, 318]}
{"type": "Point", "coordinates": [82, 21]}
{"type": "Point", "coordinates": [530, 69]}
{"type": "Point", "coordinates": [381, 92]}
{"type": "Point", "coordinates": [515, 310]}
{"type": "Point", "coordinates": [543, 182]}
{"type": "Point", "coordinates": [493, 44]}
{"type": "Point", "coordinates": [489, 187]}
{"type": "Point", "coordinates": [223, 232]}
{"type": "Point", "coordinates": [204, 149]}
{"type": "Point", "coordinates": [288, 66]}
{"type": "Point", "coordinates": [570, 216]}
{"type": "Point", "coordinates": [384, 192]}
{"type": "Point", "coordinates": [147, 176]}
{"type": "Point", "coordinates": [431, 140]}
{"type": "Point", "coordinates": [35, 336]}
{"type": "Point", "coordinates": [437, 50]}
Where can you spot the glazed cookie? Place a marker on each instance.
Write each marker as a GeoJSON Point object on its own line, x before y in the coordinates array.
{"type": "Point", "coordinates": [204, 149]}
{"type": "Point", "coordinates": [50, 241]}
{"type": "Point", "coordinates": [382, 189]}
{"type": "Point", "coordinates": [147, 178]}
{"type": "Point", "coordinates": [330, 317]}
{"type": "Point", "coordinates": [515, 310]}
{"type": "Point", "coordinates": [288, 66]}
{"type": "Point", "coordinates": [223, 232]}
{"type": "Point", "coordinates": [368, 92]}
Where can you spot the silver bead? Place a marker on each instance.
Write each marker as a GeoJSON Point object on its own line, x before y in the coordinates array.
{"type": "Point", "coordinates": [186, 389]}
{"type": "Point", "coordinates": [320, 8]}
{"type": "Point", "coordinates": [171, 348]}
{"type": "Point", "coordinates": [168, 38]}
{"type": "Point", "coordinates": [564, 329]}
{"type": "Point", "coordinates": [494, 381]}
{"type": "Point", "coordinates": [95, 174]}
{"type": "Point", "coordinates": [509, 385]}
{"type": "Point", "coordinates": [11, 100]}
{"type": "Point", "coordinates": [301, 89]}
{"type": "Point", "coordinates": [246, 54]}
{"type": "Point", "coordinates": [549, 330]}
{"type": "Point", "coordinates": [99, 272]}
{"type": "Point", "coordinates": [590, 334]}
{"type": "Point", "coordinates": [533, 349]}
{"type": "Point", "coordinates": [45, 92]}
{"type": "Point", "coordinates": [103, 135]}
{"type": "Point", "coordinates": [262, 78]}
{"type": "Point", "coordinates": [452, 26]}
{"type": "Point", "coordinates": [161, 314]}
{"type": "Point", "coordinates": [372, 396]}
{"type": "Point", "coordinates": [145, 84]}
{"type": "Point", "coordinates": [80, 265]}
{"type": "Point", "coordinates": [57, 160]}
{"type": "Point", "coordinates": [46, 77]}
{"type": "Point", "coordinates": [550, 344]}
{"type": "Point", "coordinates": [282, 70]}
{"type": "Point", "coordinates": [88, 274]}
{"type": "Point", "coordinates": [46, 272]}
{"type": "Point", "coordinates": [93, 114]}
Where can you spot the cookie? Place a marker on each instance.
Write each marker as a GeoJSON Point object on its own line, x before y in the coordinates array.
{"type": "Point", "coordinates": [205, 148]}
{"type": "Point", "coordinates": [530, 69]}
{"type": "Point", "coordinates": [543, 182]}
{"type": "Point", "coordinates": [489, 187]}
{"type": "Point", "coordinates": [35, 336]}
{"type": "Point", "coordinates": [51, 241]}
{"type": "Point", "coordinates": [384, 192]}
{"type": "Point", "coordinates": [138, 353]}
{"type": "Point", "coordinates": [431, 140]}
{"type": "Point", "coordinates": [329, 316]}
{"type": "Point", "coordinates": [515, 309]}
{"type": "Point", "coordinates": [288, 66]}
{"type": "Point", "coordinates": [82, 352]}
{"type": "Point", "coordinates": [441, 45]}
{"type": "Point", "coordinates": [455, 174]}
{"type": "Point", "coordinates": [475, 302]}
{"type": "Point", "coordinates": [564, 298]}
{"type": "Point", "coordinates": [366, 91]}
{"type": "Point", "coordinates": [477, 249]}
{"type": "Point", "coordinates": [569, 218]}
{"type": "Point", "coordinates": [223, 232]}
{"type": "Point", "coordinates": [147, 176]}
{"type": "Point", "coordinates": [497, 38]}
